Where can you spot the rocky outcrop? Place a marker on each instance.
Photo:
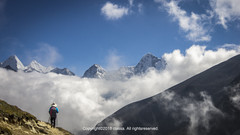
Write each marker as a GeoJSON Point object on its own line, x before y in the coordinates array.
{"type": "Point", "coordinates": [14, 121]}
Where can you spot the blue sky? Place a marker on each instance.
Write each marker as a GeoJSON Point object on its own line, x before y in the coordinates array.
{"type": "Point", "coordinates": [79, 33]}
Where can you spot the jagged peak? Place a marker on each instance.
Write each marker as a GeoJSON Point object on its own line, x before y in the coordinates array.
{"type": "Point", "coordinates": [96, 65]}
{"type": "Point", "coordinates": [35, 66]}
{"type": "Point", "coordinates": [14, 57]}
{"type": "Point", "coordinates": [13, 62]}
{"type": "Point", "coordinates": [95, 71]}
{"type": "Point", "coordinates": [148, 56]}
{"type": "Point", "coordinates": [149, 61]}
{"type": "Point", "coordinates": [34, 62]}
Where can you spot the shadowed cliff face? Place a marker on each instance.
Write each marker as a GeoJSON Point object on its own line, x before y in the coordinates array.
{"type": "Point", "coordinates": [206, 104]}
{"type": "Point", "coordinates": [14, 121]}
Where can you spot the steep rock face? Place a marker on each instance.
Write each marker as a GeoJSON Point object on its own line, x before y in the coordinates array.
{"type": "Point", "coordinates": [95, 71]}
{"type": "Point", "coordinates": [35, 66]}
{"type": "Point", "coordinates": [63, 71]}
{"type": "Point", "coordinates": [13, 63]}
{"type": "Point", "coordinates": [206, 104]}
{"type": "Point", "coordinates": [149, 61]}
{"type": "Point", "coordinates": [14, 121]}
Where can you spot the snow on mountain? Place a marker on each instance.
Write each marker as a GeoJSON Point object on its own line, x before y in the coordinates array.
{"type": "Point", "coordinates": [95, 71]}
{"type": "Point", "coordinates": [35, 66]}
{"type": "Point", "coordinates": [13, 63]}
{"type": "Point", "coordinates": [149, 61]}
{"type": "Point", "coordinates": [63, 71]}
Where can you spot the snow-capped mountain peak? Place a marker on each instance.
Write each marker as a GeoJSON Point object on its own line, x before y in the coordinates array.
{"type": "Point", "coordinates": [149, 61]}
{"type": "Point", "coordinates": [95, 71]}
{"type": "Point", "coordinates": [35, 66]}
{"type": "Point", "coordinates": [13, 63]}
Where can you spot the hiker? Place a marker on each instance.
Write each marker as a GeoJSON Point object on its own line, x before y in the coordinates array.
{"type": "Point", "coordinates": [53, 114]}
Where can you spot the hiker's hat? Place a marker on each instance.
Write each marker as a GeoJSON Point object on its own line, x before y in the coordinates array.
{"type": "Point", "coordinates": [54, 104]}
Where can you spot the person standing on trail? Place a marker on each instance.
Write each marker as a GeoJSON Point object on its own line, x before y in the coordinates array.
{"type": "Point", "coordinates": [53, 110]}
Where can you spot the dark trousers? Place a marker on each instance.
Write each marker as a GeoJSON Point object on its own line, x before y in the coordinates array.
{"type": "Point", "coordinates": [53, 121]}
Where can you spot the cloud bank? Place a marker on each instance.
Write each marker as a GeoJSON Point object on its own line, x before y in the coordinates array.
{"type": "Point", "coordinates": [85, 102]}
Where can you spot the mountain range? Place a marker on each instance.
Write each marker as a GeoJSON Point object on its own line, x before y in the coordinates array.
{"type": "Point", "coordinates": [13, 63]}
{"type": "Point", "coordinates": [147, 62]}
{"type": "Point", "coordinates": [205, 104]}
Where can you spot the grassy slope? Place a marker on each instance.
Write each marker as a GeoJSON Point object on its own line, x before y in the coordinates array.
{"type": "Point", "coordinates": [17, 122]}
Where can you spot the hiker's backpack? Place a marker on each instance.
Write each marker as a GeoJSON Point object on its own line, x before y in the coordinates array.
{"type": "Point", "coordinates": [53, 112]}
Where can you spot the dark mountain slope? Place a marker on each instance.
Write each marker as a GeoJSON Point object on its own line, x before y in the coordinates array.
{"type": "Point", "coordinates": [206, 104]}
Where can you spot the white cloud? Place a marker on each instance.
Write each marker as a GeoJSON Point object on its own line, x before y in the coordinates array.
{"type": "Point", "coordinates": [226, 10]}
{"type": "Point", "coordinates": [193, 25]}
{"type": "Point", "coordinates": [195, 60]}
{"type": "Point", "coordinates": [234, 94]}
{"type": "Point", "coordinates": [198, 112]}
{"type": "Point", "coordinates": [197, 26]}
{"type": "Point", "coordinates": [114, 61]}
{"type": "Point", "coordinates": [82, 102]}
{"type": "Point", "coordinates": [114, 11]}
{"type": "Point", "coordinates": [46, 54]}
